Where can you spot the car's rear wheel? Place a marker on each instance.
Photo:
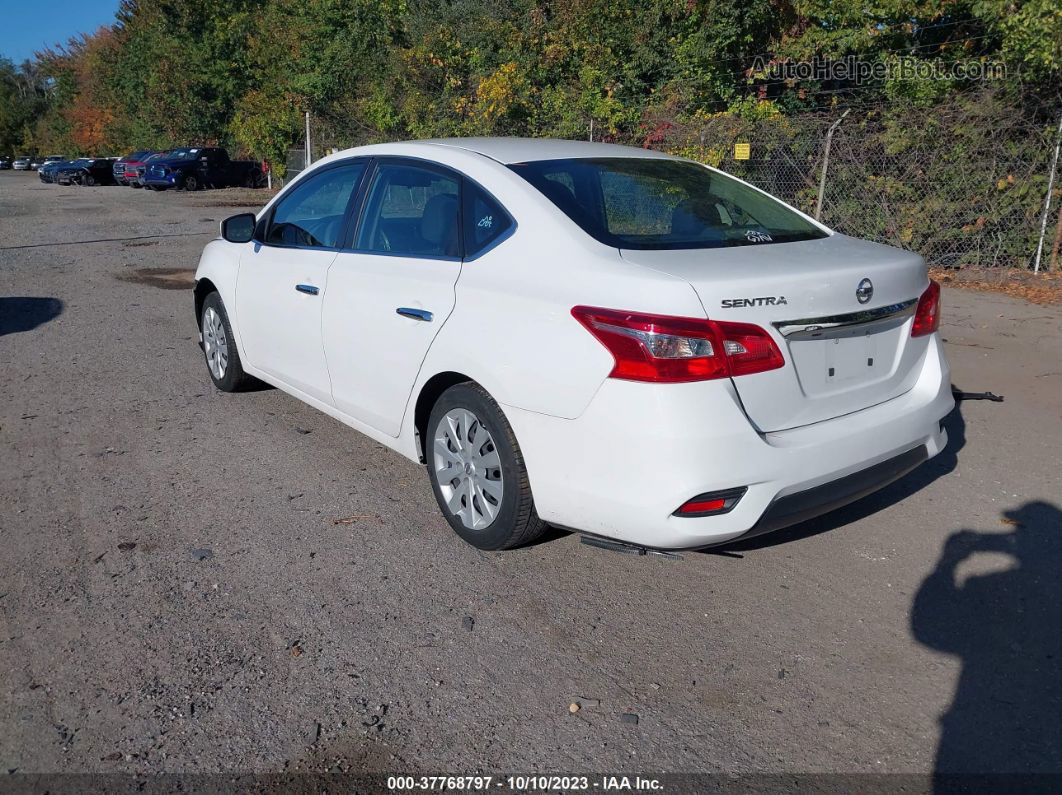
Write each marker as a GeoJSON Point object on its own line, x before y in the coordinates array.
{"type": "Point", "coordinates": [477, 471]}
{"type": "Point", "coordinates": [219, 347]}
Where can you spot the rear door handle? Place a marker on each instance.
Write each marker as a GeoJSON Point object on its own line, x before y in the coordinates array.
{"type": "Point", "coordinates": [309, 289]}
{"type": "Point", "coordinates": [415, 314]}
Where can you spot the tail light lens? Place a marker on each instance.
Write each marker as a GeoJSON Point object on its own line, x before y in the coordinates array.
{"type": "Point", "coordinates": [927, 313]}
{"type": "Point", "coordinates": [665, 349]}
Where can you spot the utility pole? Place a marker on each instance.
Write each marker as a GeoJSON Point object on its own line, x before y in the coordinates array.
{"type": "Point", "coordinates": [826, 164]}
{"type": "Point", "coordinates": [1047, 198]}
{"type": "Point", "coordinates": [309, 149]}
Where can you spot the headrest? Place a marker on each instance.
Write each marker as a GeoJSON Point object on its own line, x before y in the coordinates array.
{"type": "Point", "coordinates": [438, 225]}
{"type": "Point", "coordinates": [690, 216]}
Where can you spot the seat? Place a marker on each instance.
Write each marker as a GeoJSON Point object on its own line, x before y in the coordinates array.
{"type": "Point", "coordinates": [438, 225]}
{"type": "Point", "coordinates": [690, 217]}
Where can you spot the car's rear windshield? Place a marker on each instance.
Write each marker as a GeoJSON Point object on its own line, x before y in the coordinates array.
{"type": "Point", "coordinates": [649, 203]}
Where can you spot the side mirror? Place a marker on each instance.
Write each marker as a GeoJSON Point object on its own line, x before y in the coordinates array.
{"type": "Point", "coordinates": [239, 228]}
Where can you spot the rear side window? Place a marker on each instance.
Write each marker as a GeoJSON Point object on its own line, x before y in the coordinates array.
{"type": "Point", "coordinates": [486, 221]}
{"type": "Point", "coordinates": [411, 211]}
{"type": "Point", "coordinates": [312, 214]}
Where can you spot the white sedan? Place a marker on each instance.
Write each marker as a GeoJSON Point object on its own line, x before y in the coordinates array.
{"type": "Point", "coordinates": [605, 339]}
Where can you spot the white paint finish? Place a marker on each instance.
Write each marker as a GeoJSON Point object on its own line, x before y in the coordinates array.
{"type": "Point", "coordinates": [605, 456]}
{"type": "Point", "coordinates": [281, 327]}
{"type": "Point", "coordinates": [374, 354]}
{"type": "Point", "coordinates": [817, 278]}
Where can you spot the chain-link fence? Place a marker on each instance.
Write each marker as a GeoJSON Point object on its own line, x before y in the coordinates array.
{"type": "Point", "coordinates": [959, 189]}
{"type": "Point", "coordinates": [962, 185]}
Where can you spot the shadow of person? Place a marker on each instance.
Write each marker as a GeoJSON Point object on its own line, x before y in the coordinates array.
{"type": "Point", "coordinates": [937, 467]}
{"type": "Point", "coordinates": [25, 314]}
{"type": "Point", "coordinates": [1006, 628]}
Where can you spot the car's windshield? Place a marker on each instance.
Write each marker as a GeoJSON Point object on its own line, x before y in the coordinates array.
{"type": "Point", "coordinates": [649, 203]}
{"type": "Point", "coordinates": [184, 154]}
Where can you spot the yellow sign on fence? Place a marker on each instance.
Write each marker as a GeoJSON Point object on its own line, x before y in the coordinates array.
{"type": "Point", "coordinates": [742, 151]}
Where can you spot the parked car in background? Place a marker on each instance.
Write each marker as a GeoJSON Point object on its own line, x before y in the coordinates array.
{"type": "Point", "coordinates": [134, 176]}
{"type": "Point", "coordinates": [124, 168]}
{"type": "Point", "coordinates": [21, 164]}
{"type": "Point", "coordinates": [5, 162]}
{"type": "Point", "coordinates": [193, 168]}
{"type": "Point", "coordinates": [695, 361]}
{"type": "Point", "coordinates": [46, 173]}
{"type": "Point", "coordinates": [87, 171]}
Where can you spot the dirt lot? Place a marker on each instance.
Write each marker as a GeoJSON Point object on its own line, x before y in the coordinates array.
{"type": "Point", "coordinates": [198, 582]}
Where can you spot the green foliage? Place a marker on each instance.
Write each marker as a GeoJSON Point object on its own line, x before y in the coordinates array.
{"type": "Point", "coordinates": [242, 72]}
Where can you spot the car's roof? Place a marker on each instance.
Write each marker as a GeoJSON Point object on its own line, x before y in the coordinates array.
{"type": "Point", "coordinates": [523, 150]}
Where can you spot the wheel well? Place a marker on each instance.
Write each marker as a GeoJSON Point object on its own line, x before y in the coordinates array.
{"type": "Point", "coordinates": [429, 393]}
{"type": "Point", "coordinates": [203, 288]}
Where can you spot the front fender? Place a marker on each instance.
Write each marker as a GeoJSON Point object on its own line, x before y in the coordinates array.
{"type": "Point", "coordinates": [219, 264]}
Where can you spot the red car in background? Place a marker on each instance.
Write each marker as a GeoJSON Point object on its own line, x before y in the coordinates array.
{"type": "Point", "coordinates": [125, 168]}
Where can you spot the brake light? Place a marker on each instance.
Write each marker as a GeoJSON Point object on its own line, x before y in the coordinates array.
{"type": "Point", "coordinates": [927, 313]}
{"type": "Point", "coordinates": [665, 349]}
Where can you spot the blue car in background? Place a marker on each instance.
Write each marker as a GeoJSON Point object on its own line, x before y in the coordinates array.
{"type": "Point", "coordinates": [47, 172]}
{"type": "Point", "coordinates": [196, 167]}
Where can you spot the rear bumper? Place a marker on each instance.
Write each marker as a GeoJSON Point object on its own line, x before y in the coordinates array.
{"type": "Point", "coordinates": [639, 451]}
{"type": "Point", "coordinates": [807, 504]}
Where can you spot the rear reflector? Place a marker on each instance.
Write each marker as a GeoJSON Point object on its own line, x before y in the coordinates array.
{"type": "Point", "coordinates": [927, 313]}
{"type": "Point", "coordinates": [666, 349]}
{"type": "Point", "coordinates": [711, 503]}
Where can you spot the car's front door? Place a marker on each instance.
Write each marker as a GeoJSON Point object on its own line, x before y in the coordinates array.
{"type": "Point", "coordinates": [283, 279]}
{"type": "Point", "coordinates": [389, 296]}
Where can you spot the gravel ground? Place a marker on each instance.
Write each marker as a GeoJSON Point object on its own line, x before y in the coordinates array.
{"type": "Point", "coordinates": [199, 582]}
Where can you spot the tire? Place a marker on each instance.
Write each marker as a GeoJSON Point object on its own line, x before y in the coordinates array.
{"type": "Point", "coordinates": [222, 358]}
{"type": "Point", "coordinates": [134, 185]}
{"type": "Point", "coordinates": [190, 183]}
{"type": "Point", "coordinates": [88, 180]}
{"type": "Point", "coordinates": [489, 517]}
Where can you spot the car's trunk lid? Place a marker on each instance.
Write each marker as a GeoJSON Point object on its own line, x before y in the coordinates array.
{"type": "Point", "coordinates": [842, 355]}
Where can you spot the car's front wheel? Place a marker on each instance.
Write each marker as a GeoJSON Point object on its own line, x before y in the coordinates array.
{"type": "Point", "coordinates": [219, 347]}
{"type": "Point", "coordinates": [477, 471]}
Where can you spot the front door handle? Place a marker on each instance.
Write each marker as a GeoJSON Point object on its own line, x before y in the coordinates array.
{"type": "Point", "coordinates": [415, 314]}
{"type": "Point", "coordinates": [309, 289]}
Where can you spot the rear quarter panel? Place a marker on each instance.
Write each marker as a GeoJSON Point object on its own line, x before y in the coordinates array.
{"type": "Point", "coordinates": [512, 330]}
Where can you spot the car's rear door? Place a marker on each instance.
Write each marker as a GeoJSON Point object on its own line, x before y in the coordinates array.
{"type": "Point", "coordinates": [392, 289]}
{"type": "Point", "coordinates": [283, 278]}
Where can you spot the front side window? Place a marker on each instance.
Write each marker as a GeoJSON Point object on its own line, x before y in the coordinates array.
{"type": "Point", "coordinates": [486, 221]}
{"type": "Point", "coordinates": [312, 213]}
{"type": "Point", "coordinates": [412, 211]}
{"type": "Point", "coordinates": [648, 203]}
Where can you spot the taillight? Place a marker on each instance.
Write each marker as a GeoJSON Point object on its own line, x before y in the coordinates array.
{"type": "Point", "coordinates": [927, 313]}
{"type": "Point", "coordinates": [665, 349]}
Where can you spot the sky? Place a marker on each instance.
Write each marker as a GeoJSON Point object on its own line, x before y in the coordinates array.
{"type": "Point", "coordinates": [30, 25]}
